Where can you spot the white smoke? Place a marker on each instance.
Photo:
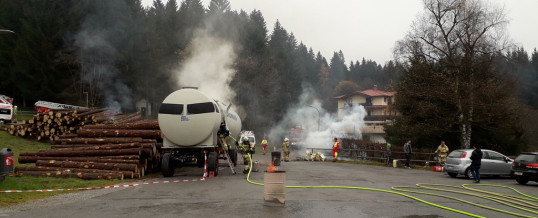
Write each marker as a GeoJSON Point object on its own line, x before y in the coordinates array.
{"type": "Point", "coordinates": [97, 57]}
{"type": "Point", "coordinates": [320, 126]}
{"type": "Point", "coordinates": [209, 67]}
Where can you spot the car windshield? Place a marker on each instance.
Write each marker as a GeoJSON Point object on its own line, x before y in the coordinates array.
{"type": "Point", "coordinates": [455, 154]}
{"type": "Point", "coordinates": [526, 158]}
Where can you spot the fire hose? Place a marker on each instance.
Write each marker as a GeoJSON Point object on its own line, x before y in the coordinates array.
{"type": "Point", "coordinates": [522, 203]}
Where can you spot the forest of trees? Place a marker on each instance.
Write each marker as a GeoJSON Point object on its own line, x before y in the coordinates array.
{"type": "Point", "coordinates": [119, 52]}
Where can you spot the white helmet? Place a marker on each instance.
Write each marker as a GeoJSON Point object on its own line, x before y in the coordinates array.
{"type": "Point", "coordinates": [286, 139]}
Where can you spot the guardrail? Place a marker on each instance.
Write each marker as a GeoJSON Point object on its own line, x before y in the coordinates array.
{"type": "Point", "coordinates": [379, 155]}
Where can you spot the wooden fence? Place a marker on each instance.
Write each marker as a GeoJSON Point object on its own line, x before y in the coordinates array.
{"type": "Point", "coordinates": [369, 151]}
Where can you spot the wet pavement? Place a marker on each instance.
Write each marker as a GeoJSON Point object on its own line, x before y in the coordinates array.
{"type": "Point", "coordinates": [229, 195]}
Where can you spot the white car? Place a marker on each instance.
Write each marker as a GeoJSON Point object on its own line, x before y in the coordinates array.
{"type": "Point", "coordinates": [8, 111]}
{"type": "Point", "coordinates": [458, 162]}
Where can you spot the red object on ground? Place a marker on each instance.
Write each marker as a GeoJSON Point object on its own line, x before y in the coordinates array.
{"type": "Point", "coordinates": [438, 169]}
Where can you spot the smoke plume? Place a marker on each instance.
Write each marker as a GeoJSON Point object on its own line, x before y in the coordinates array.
{"type": "Point", "coordinates": [209, 67]}
{"type": "Point", "coordinates": [320, 126]}
{"type": "Point", "coordinates": [98, 55]}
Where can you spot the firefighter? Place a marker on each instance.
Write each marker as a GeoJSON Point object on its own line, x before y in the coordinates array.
{"type": "Point", "coordinates": [336, 145]}
{"type": "Point", "coordinates": [286, 150]}
{"type": "Point", "coordinates": [264, 144]}
{"type": "Point", "coordinates": [246, 152]}
{"type": "Point", "coordinates": [388, 153]}
{"type": "Point", "coordinates": [442, 151]}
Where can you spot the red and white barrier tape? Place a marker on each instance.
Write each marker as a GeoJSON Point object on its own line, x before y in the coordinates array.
{"type": "Point", "coordinates": [116, 186]}
{"type": "Point", "coordinates": [205, 166]}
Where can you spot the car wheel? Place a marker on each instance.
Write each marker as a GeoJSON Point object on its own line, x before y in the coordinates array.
{"type": "Point", "coordinates": [468, 174]}
{"type": "Point", "coordinates": [522, 181]}
{"type": "Point", "coordinates": [453, 175]}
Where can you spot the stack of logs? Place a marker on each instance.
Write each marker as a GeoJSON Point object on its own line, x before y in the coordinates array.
{"type": "Point", "coordinates": [61, 122]}
{"type": "Point", "coordinates": [100, 151]}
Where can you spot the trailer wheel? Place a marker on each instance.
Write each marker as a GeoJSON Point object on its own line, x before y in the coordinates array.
{"type": "Point", "coordinates": [167, 166]}
{"type": "Point", "coordinates": [233, 156]}
{"type": "Point", "coordinates": [213, 162]}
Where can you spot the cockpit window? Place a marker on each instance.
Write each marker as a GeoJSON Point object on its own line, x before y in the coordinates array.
{"type": "Point", "coordinates": [171, 108]}
{"type": "Point", "coordinates": [200, 108]}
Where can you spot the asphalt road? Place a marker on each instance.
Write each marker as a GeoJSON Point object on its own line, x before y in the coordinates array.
{"type": "Point", "coordinates": [232, 196]}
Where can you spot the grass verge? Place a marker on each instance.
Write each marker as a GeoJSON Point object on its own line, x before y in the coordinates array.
{"type": "Point", "coordinates": [20, 145]}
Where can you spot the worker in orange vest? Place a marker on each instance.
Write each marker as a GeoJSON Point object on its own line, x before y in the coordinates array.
{"type": "Point", "coordinates": [336, 145]}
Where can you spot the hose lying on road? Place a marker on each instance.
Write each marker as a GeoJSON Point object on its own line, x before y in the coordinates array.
{"type": "Point", "coordinates": [517, 202]}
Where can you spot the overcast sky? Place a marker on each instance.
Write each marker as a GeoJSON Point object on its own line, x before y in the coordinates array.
{"type": "Point", "coordinates": [368, 28]}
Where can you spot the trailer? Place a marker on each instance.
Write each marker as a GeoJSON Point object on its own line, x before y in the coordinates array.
{"type": "Point", "coordinates": [43, 107]}
{"type": "Point", "coordinates": [193, 124]}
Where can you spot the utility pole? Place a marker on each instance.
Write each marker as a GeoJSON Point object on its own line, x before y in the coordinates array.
{"type": "Point", "coordinates": [86, 93]}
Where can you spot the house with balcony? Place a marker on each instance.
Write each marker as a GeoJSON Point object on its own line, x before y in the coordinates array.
{"type": "Point", "coordinates": [377, 104]}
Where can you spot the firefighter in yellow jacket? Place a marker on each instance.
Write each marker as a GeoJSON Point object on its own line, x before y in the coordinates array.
{"type": "Point", "coordinates": [442, 152]}
{"type": "Point", "coordinates": [286, 150]}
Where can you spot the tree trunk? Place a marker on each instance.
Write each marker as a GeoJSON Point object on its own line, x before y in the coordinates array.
{"type": "Point", "coordinates": [153, 134]}
{"type": "Point", "coordinates": [144, 124]}
{"type": "Point", "coordinates": [88, 165]}
{"type": "Point", "coordinates": [100, 140]}
{"type": "Point", "coordinates": [104, 159]}
{"type": "Point", "coordinates": [96, 147]}
{"type": "Point", "coordinates": [127, 174]}
{"type": "Point", "coordinates": [83, 153]}
{"type": "Point", "coordinates": [72, 175]}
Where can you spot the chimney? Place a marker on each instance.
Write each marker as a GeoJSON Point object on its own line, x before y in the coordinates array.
{"type": "Point", "coordinates": [375, 87]}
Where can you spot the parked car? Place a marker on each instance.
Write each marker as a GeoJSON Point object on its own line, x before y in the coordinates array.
{"type": "Point", "coordinates": [525, 167]}
{"type": "Point", "coordinates": [458, 162]}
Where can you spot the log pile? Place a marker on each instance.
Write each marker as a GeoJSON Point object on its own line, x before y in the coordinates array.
{"type": "Point", "coordinates": [99, 151]}
{"type": "Point", "coordinates": [56, 123]}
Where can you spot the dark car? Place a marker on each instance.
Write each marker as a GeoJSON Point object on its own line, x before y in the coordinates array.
{"type": "Point", "coordinates": [525, 167]}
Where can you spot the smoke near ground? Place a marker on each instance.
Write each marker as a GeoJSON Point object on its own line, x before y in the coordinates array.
{"type": "Point", "coordinates": [320, 126]}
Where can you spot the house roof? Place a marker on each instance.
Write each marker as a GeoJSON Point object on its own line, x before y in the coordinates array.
{"type": "Point", "coordinates": [374, 92]}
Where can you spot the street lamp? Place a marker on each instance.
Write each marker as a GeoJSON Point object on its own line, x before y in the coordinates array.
{"type": "Point", "coordinates": [319, 115]}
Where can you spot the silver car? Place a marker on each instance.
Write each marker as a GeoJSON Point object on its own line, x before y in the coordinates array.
{"type": "Point", "coordinates": [458, 162]}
